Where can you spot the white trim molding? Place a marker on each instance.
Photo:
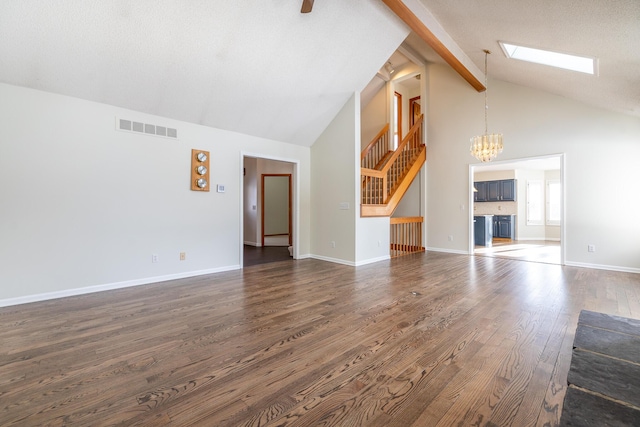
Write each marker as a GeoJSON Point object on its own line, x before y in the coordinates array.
{"type": "Point", "coordinates": [110, 286]}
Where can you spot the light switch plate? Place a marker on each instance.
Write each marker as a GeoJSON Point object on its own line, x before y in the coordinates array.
{"type": "Point", "coordinates": [220, 188]}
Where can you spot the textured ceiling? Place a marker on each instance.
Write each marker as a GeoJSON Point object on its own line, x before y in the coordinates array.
{"type": "Point", "coordinates": [262, 68]}
{"type": "Point", "coordinates": [259, 67]}
{"type": "Point", "coordinates": [608, 30]}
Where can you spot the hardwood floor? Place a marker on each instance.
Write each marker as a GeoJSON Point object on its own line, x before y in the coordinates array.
{"type": "Point", "coordinates": [534, 251]}
{"type": "Point", "coordinates": [428, 339]}
{"type": "Point", "coordinates": [253, 255]}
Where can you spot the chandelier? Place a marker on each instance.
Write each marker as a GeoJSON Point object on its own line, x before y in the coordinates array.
{"type": "Point", "coordinates": [486, 147]}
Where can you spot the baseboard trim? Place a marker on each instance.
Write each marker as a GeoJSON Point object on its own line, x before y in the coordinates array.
{"type": "Point", "coordinates": [110, 286]}
{"type": "Point", "coordinates": [334, 260]}
{"type": "Point", "coordinates": [351, 263]}
{"type": "Point", "coordinates": [372, 260]}
{"type": "Point", "coordinates": [449, 251]}
{"type": "Point", "coordinates": [602, 267]}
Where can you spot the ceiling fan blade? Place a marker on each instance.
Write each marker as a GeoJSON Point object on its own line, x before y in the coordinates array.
{"type": "Point", "coordinates": [307, 5]}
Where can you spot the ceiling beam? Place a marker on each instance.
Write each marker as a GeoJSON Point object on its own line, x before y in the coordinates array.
{"type": "Point", "coordinates": [307, 5]}
{"type": "Point", "coordinates": [417, 26]}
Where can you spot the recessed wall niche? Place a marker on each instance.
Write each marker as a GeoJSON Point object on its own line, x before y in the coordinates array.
{"type": "Point", "coordinates": [199, 170]}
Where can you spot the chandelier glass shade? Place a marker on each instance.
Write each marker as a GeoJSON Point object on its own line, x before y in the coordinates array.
{"type": "Point", "coordinates": [486, 147]}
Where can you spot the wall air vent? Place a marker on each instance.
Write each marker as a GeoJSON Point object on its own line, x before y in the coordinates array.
{"type": "Point", "coordinates": [146, 128]}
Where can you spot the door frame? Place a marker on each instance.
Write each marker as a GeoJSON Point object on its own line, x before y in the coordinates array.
{"type": "Point", "coordinates": [295, 200]}
{"type": "Point", "coordinates": [263, 176]}
{"type": "Point", "coordinates": [412, 108]}
{"type": "Point", "coordinates": [562, 159]}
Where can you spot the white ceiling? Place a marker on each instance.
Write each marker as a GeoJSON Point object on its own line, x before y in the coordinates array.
{"type": "Point", "coordinates": [606, 29]}
{"type": "Point", "coordinates": [262, 68]}
{"type": "Point", "coordinates": [259, 67]}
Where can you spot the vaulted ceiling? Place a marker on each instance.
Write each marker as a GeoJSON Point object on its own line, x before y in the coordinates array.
{"type": "Point", "coordinates": [258, 67]}
{"type": "Point", "coordinates": [262, 68]}
{"type": "Point", "coordinates": [607, 30]}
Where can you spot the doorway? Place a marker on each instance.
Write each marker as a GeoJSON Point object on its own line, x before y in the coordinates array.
{"type": "Point", "coordinates": [258, 233]}
{"type": "Point", "coordinates": [534, 217]}
{"type": "Point", "coordinates": [276, 210]}
{"type": "Point", "coordinates": [414, 111]}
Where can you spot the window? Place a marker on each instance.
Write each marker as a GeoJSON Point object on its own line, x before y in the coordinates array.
{"type": "Point", "coordinates": [582, 64]}
{"type": "Point", "coordinates": [535, 200]}
{"type": "Point", "coordinates": [554, 198]}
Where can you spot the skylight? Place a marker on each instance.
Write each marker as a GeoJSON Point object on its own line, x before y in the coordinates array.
{"type": "Point", "coordinates": [581, 64]}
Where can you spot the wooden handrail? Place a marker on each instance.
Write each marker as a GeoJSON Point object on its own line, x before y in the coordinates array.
{"type": "Point", "coordinates": [370, 145]}
{"type": "Point", "coordinates": [375, 173]}
{"type": "Point", "coordinates": [405, 220]}
{"type": "Point", "coordinates": [377, 151]}
{"type": "Point", "coordinates": [404, 143]}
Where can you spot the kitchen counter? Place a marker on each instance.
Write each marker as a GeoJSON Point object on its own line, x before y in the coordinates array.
{"type": "Point", "coordinates": [483, 230]}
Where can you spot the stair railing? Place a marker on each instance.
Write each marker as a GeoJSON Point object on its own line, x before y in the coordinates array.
{"type": "Point", "coordinates": [376, 150]}
{"type": "Point", "coordinates": [406, 236]}
{"type": "Point", "coordinates": [378, 185]}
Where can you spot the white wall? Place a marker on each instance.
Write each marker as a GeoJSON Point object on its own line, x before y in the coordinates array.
{"type": "Point", "coordinates": [601, 174]}
{"type": "Point", "coordinates": [334, 159]}
{"type": "Point", "coordinates": [84, 206]}
{"type": "Point", "coordinates": [551, 232]}
{"type": "Point", "coordinates": [335, 180]}
{"type": "Point", "coordinates": [374, 117]}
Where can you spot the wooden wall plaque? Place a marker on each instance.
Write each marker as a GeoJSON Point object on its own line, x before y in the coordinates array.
{"type": "Point", "coordinates": [200, 170]}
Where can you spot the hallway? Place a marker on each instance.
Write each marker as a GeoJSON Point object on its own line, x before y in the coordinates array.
{"type": "Point", "coordinates": [254, 255]}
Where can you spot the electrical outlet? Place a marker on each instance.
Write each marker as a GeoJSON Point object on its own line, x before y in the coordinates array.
{"type": "Point", "coordinates": [379, 243]}
{"type": "Point", "coordinates": [154, 258]}
{"type": "Point", "coordinates": [451, 237]}
{"type": "Point", "coordinates": [591, 248]}
{"type": "Point", "coordinates": [333, 244]}
{"type": "Point", "coordinates": [183, 256]}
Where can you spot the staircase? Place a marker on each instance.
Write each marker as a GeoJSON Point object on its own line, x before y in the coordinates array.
{"type": "Point", "coordinates": [386, 176]}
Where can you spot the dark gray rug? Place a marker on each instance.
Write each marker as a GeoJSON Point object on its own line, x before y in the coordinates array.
{"type": "Point", "coordinates": [604, 377]}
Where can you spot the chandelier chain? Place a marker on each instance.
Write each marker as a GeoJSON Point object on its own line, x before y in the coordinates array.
{"type": "Point", "coordinates": [486, 89]}
{"type": "Point", "coordinates": [486, 147]}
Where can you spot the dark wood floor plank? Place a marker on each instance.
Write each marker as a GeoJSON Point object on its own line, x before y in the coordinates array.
{"type": "Point", "coordinates": [560, 359]}
{"type": "Point", "coordinates": [427, 339]}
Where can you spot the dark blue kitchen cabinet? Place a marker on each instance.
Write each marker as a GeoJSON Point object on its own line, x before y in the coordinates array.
{"type": "Point", "coordinates": [508, 190]}
{"type": "Point", "coordinates": [482, 230]}
{"type": "Point", "coordinates": [480, 195]}
{"type": "Point", "coordinates": [495, 191]}
{"type": "Point", "coordinates": [504, 226]}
